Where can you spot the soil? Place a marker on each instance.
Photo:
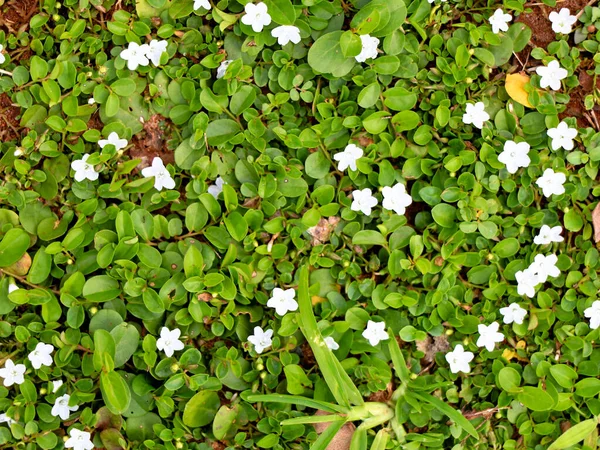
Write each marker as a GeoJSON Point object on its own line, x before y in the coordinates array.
{"type": "Point", "coordinates": [10, 127]}
{"type": "Point", "coordinates": [308, 357]}
{"type": "Point", "coordinates": [152, 143]}
{"type": "Point", "coordinates": [95, 123]}
{"type": "Point", "coordinates": [15, 15]}
{"type": "Point", "coordinates": [382, 396]}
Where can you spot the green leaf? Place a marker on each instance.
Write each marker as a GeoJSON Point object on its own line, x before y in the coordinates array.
{"type": "Point", "coordinates": [115, 392]}
{"type": "Point", "coordinates": [225, 422]}
{"type": "Point", "coordinates": [444, 215]}
{"type": "Point", "coordinates": [326, 56]}
{"type": "Point", "coordinates": [536, 399]}
{"type": "Point", "coordinates": [575, 434]}
{"type": "Point", "coordinates": [127, 338]}
{"type": "Point", "coordinates": [509, 379]}
{"type": "Point", "coordinates": [101, 288]}
{"type": "Point", "coordinates": [281, 11]}
{"type": "Point", "coordinates": [221, 130]}
{"type": "Point", "coordinates": [506, 247]}
{"type": "Point", "coordinates": [201, 409]}
{"type": "Point", "coordinates": [452, 413]}
{"type": "Point", "coordinates": [564, 375]}
{"type": "Point", "coordinates": [317, 165]}
{"type": "Point", "coordinates": [13, 246]}
{"type": "Point", "coordinates": [369, 237]}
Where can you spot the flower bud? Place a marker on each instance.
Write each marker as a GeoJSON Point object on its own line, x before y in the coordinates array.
{"type": "Point", "coordinates": [465, 341]}
{"type": "Point", "coordinates": [260, 366]}
{"type": "Point", "coordinates": [179, 445]}
{"type": "Point", "coordinates": [93, 310]}
{"type": "Point", "coordinates": [174, 367]}
{"type": "Point", "coordinates": [43, 391]}
{"type": "Point", "coordinates": [263, 375]}
{"type": "Point", "coordinates": [449, 332]}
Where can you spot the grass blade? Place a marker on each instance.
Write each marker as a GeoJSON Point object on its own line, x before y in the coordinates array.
{"type": "Point", "coordinates": [297, 400]}
{"type": "Point", "coordinates": [313, 419]}
{"type": "Point", "coordinates": [452, 413]}
{"type": "Point", "coordinates": [575, 434]}
{"type": "Point", "coordinates": [380, 440]}
{"type": "Point", "coordinates": [397, 358]}
{"type": "Point", "coordinates": [327, 435]}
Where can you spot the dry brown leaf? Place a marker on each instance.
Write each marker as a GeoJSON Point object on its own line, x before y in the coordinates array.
{"type": "Point", "coordinates": [596, 222]}
{"type": "Point", "coordinates": [21, 267]}
{"type": "Point", "coordinates": [515, 87]}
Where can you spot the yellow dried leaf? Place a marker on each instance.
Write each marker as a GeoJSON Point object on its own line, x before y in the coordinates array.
{"type": "Point", "coordinates": [515, 87]}
{"type": "Point", "coordinates": [508, 354]}
{"type": "Point", "coordinates": [521, 345]}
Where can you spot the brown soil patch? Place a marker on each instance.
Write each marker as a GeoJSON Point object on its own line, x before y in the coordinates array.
{"type": "Point", "coordinates": [10, 128]}
{"type": "Point", "coordinates": [153, 143]}
{"type": "Point", "coordinates": [308, 357]}
{"type": "Point", "coordinates": [15, 15]}
{"type": "Point", "coordinates": [382, 396]}
{"type": "Point", "coordinates": [95, 123]}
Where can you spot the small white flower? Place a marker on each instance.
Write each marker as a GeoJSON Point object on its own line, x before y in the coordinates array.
{"type": "Point", "coordinates": [12, 287]}
{"type": "Point", "coordinates": [459, 359]}
{"type": "Point", "coordinates": [2, 57]}
{"type": "Point", "coordinates": [548, 235]}
{"type": "Point", "coordinates": [41, 356]}
{"type": "Point", "coordinates": [4, 418]}
{"type": "Point", "coordinates": [79, 440]}
{"type": "Point", "coordinates": [83, 170]}
{"type": "Point", "coordinates": [475, 114]}
{"type": "Point", "coordinates": [162, 177]}
{"type": "Point", "coordinates": [499, 21]}
{"type": "Point", "coordinates": [375, 332]}
{"type": "Point", "coordinates": [489, 336]}
{"type": "Point", "coordinates": [155, 50]}
{"type": "Point", "coordinates": [331, 344]}
{"type": "Point", "coordinates": [348, 158]}
{"type": "Point", "coordinates": [593, 313]}
{"type": "Point", "coordinates": [61, 407]}
{"type": "Point", "coordinates": [527, 280]}
{"type": "Point", "coordinates": [56, 385]}
{"type": "Point", "coordinates": [18, 152]}
{"type": "Point", "coordinates": [396, 198]}
{"type": "Point", "coordinates": [91, 101]}
{"type": "Point", "coordinates": [544, 267]}
{"type": "Point", "coordinates": [363, 201]}
{"type": "Point", "coordinates": [217, 188]}
{"type": "Point", "coordinates": [12, 373]}
{"type": "Point", "coordinates": [169, 341]}
{"type": "Point", "coordinates": [114, 140]}
{"type": "Point", "coordinates": [261, 339]}
{"type": "Point", "coordinates": [513, 313]}
{"type": "Point", "coordinates": [562, 136]}
{"type": "Point", "coordinates": [201, 4]}
{"type": "Point", "coordinates": [369, 48]}
{"type": "Point", "coordinates": [223, 68]}
{"type": "Point", "coordinates": [562, 21]}
{"type": "Point", "coordinates": [551, 75]}
{"type": "Point", "coordinates": [283, 301]}
{"type": "Point", "coordinates": [551, 182]}
{"type": "Point", "coordinates": [257, 16]}
{"type": "Point", "coordinates": [135, 55]}
{"type": "Point", "coordinates": [286, 33]}
{"type": "Point", "coordinates": [515, 155]}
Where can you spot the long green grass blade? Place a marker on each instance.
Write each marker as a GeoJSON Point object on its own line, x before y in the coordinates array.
{"type": "Point", "coordinates": [297, 400]}
{"type": "Point", "coordinates": [397, 358]}
{"type": "Point", "coordinates": [380, 440]}
{"type": "Point", "coordinates": [452, 413]}
{"type": "Point", "coordinates": [575, 434]}
{"type": "Point", "coordinates": [326, 436]}
{"type": "Point", "coordinates": [313, 419]}
{"type": "Point", "coordinates": [359, 440]}
{"type": "Point", "coordinates": [340, 384]}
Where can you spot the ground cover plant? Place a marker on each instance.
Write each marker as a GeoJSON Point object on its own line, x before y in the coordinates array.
{"type": "Point", "coordinates": [299, 224]}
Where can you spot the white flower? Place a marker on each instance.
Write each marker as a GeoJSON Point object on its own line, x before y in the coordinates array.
{"type": "Point", "coordinates": [61, 407]}
{"type": "Point", "coordinates": [369, 48]}
{"type": "Point", "coordinates": [162, 177]}
{"type": "Point", "coordinates": [56, 385]}
{"type": "Point", "coordinates": [286, 33]}
{"type": "Point", "coordinates": [18, 152]}
{"type": "Point", "coordinates": [593, 313]}
{"type": "Point", "coordinates": [363, 201]}
{"type": "Point", "coordinates": [201, 3]}
{"type": "Point", "coordinates": [83, 170]}
{"type": "Point", "coordinates": [12, 373]}
{"type": "Point", "coordinates": [261, 339]}
{"type": "Point", "coordinates": [2, 57]}
{"type": "Point", "coordinates": [548, 235]}
{"type": "Point", "coordinates": [169, 341]}
{"type": "Point", "coordinates": [348, 157]}
{"type": "Point", "coordinates": [223, 68]}
{"type": "Point", "coordinates": [562, 136]}
{"type": "Point", "coordinates": [551, 182]}
{"type": "Point", "coordinates": [79, 440]}
{"type": "Point", "coordinates": [4, 418]}
{"type": "Point", "coordinates": [256, 16]}
{"type": "Point", "coordinates": [41, 356]}
{"type": "Point", "coordinates": [113, 139]}
{"type": "Point", "coordinates": [544, 267]}
{"type": "Point", "coordinates": [489, 335]}
{"type": "Point", "coordinates": [375, 332]}
{"type": "Point", "coordinates": [396, 198]}
{"type": "Point", "coordinates": [527, 280]}
{"type": "Point", "coordinates": [155, 50]}
{"type": "Point", "coordinates": [475, 114]}
{"type": "Point", "coordinates": [135, 55]}
{"type": "Point", "coordinates": [283, 301]}
{"type": "Point", "coordinates": [459, 359]}
{"type": "Point", "coordinates": [331, 344]}
{"type": "Point", "coordinates": [562, 21]}
{"type": "Point", "coordinates": [91, 101]}
{"type": "Point", "coordinates": [499, 21]}
{"type": "Point", "coordinates": [551, 75]}
{"type": "Point", "coordinates": [513, 313]}
{"type": "Point", "coordinates": [515, 155]}
{"type": "Point", "coordinates": [216, 188]}
{"type": "Point", "coordinates": [12, 287]}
